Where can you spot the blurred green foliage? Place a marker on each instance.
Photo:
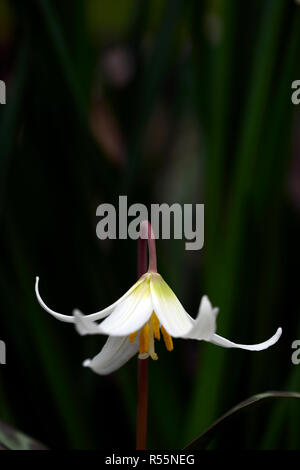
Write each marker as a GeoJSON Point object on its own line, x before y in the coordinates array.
{"type": "Point", "coordinates": [165, 101]}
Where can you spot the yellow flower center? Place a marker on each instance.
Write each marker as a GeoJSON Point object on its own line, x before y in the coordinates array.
{"type": "Point", "coordinates": [150, 331]}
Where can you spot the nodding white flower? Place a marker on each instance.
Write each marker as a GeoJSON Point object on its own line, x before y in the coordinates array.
{"type": "Point", "coordinates": [148, 310]}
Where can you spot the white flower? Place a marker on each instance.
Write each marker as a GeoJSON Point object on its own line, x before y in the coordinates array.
{"type": "Point", "coordinates": [137, 319]}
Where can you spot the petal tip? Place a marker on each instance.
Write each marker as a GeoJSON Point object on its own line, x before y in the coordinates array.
{"type": "Point", "coordinates": [205, 303]}
{"type": "Point", "coordinates": [59, 316]}
{"type": "Point", "coordinates": [216, 311]}
{"type": "Point", "coordinates": [278, 333]}
{"type": "Point", "coordinates": [77, 313]}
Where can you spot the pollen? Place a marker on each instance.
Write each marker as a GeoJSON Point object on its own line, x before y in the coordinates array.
{"type": "Point", "coordinates": [167, 339]}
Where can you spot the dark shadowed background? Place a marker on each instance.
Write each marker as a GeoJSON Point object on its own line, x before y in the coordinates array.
{"type": "Point", "coordinates": [164, 101]}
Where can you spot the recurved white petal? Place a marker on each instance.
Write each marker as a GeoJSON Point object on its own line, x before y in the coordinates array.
{"type": "Point", "coordinates": [114, 354]}
{"type": "Point", "coordinates": [131, 314]}
{"type": "Point", "coordinates": [84, 325]}
{"type": "Point", "coordinates": [59, 316]}
{"type": "Point", "coordinates": [225, 343]}
{"type": "Point", "coordinates": [168, 309]}
{"type": "Point", "coordinates": [204, 326]}
{"type": "Point", "coordinates": [93, 316]}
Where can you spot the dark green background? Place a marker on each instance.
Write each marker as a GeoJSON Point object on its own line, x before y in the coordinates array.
{"type": "Point", "coordinates": [164, 101]}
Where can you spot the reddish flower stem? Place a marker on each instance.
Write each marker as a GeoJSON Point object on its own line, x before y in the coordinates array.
{"type": "Point", "coordinates": [146, 236]}
{"type": "Point", "coordinates": [142, 405]}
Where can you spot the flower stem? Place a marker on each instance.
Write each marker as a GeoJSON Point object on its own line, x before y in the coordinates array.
{"type": "Point", "coordinates": [146, 236]}
{"type": "Point", "coordinates": [142, 406]}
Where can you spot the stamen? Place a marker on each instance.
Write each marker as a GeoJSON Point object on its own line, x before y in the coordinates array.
{"type": "Point", "coordinates": [144, 339]}
{"type": "Point", "coordinates": [150, 331]}
{"type": "Point", "coordinates": [167, 339]}
{"type": "Point", "coordinates": [132, 336]}
{"type": "Point", "coordinates": [155, 326]}
{"type": "Point", "coordinates": [151, 349]}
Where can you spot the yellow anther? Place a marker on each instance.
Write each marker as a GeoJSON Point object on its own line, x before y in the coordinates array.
{"type": "Point", "coordinates": [167, 339]}
{"type": "Point", "coordinates": [155, 326]}
{"type": "Point", "coordinates": [132, 336]}
{"type": "Point", "coordinates": [150, 331]}
{"type": "Point", "coordinates": [144, 339]}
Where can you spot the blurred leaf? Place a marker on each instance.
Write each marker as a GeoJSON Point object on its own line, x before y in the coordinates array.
{"type": "Point", "coordinates": [5, 404]}
{"type": "Point", "coordinates": [59, 44]}
{"type": "Point", "coordinates": [103, 20]}
{"type": "Point", "coordinates": [151, 81]}
{"type": "Point", "coordinates": [9, 125]}
{"type": "Point", "coordinates": [11, 439]}
{"type": "Point", "coordinates": [223, 272]}
{"type": "Point", "coordinates": [203, 440]}
{"type": "Point", "coordinates": [51, 355]}
{"type": "Point", "coordinates": [274, 427]}
{"type": "Point", "coordinates": [276, 148]}
{"type": "Point", "coordinates": [220, 109]}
